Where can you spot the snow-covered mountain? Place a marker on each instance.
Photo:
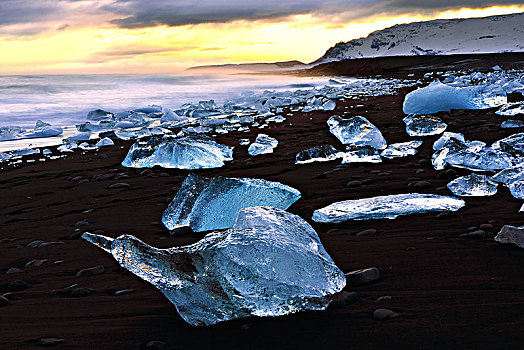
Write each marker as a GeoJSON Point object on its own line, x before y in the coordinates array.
{"type": "Point", "coordinates": [439, 37]}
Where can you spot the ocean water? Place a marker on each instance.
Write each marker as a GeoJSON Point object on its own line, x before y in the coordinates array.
{"type": "Point", "coordinates": [65, 100]}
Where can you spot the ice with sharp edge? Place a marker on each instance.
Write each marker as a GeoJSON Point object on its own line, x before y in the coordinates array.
{"type": "Point", "coordinates": [366, 154]}
{"type": "Point", "coordinates": [473, 185]}
{"type": "Point", "coordinates": [424, 125]}
{"type": "Point", "coordinates": [322, 153]}
{"type": "Point", "coordinates": [263, 144]}
{"type": "Point", "coordinates": [386, 207]}
{"type": "Point", "coordinates": [212, 204]}
{"type": "Point", "coordinates": [271, 263]}
{"type": "Point", "coordinates": [402, 149]}
{"type": "Point", "coordinates": [356, 131]}
{"type": "Point", "coordinates": [186, 152]}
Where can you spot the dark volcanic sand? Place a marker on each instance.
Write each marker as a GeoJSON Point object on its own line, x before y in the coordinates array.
{"type": "Point", "coordinates": [450, 291]}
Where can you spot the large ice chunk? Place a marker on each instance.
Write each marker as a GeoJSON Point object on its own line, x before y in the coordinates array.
{"type": "Point", "coordinates": [513, 144]}
{"type": "Point", "coordinates": [188, 152]}
{"type": "Point", "coordinates": [517, 189]}
{"type": "Point", "coordinates": [43, 129]}
{"type": "Point", "coordinates": [473, 185]}
{"type": "Point", "coordinates": [271, 263]}
{"type": "Point", "coordinates": [511, 109]}
{"type": "Point", "coordinates": [510, 175]}
{"type": "Point", "coordinates": [402, 149]}
{"type": "Point", "coordinates": [386, 207]}
{"type": "Point", "coordinates": [99, 115]}
{"type": "Point", "coordinates": [424, 125]}
{"type": "Point", "coordinates": [511, 234]}
{"type": "Point", "coordinates": [10, 133]}
{"type": "Point", "coordinates": [356, 131]}
{"type": "Point", "coordinates": [263, 144]}
{"type": "Point", "coordinates": [438, 97]}
{"type": "Point", "coordinates": [512, 124]}
{"type": "Point", "coordinates": [211, 204]}
{"type": "Point", "coordinates": [322, 153]}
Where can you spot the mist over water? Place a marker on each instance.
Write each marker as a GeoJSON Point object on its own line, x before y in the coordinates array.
{"type": "Point", "coordinates": [64, 100]}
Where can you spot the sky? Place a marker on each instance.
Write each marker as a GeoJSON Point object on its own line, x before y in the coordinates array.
{"type": "Point", "coordinates": [163, 36]}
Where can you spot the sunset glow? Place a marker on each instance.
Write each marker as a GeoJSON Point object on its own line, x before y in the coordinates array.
{"type": "Point", "coordinates": [106, 48]}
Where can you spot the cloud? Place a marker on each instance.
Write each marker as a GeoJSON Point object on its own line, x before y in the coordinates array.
{"type": "Point", "coordinates": [135, 50]}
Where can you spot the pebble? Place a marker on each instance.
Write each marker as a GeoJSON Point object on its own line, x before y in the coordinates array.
{"type": "Point", "coordinates": [4, 301]}
{"type": "Point", "coordinates": [420, 171]}
{"type": "Point", "coordinates": [102, 156]}
{"type": "Point", "coordinates": [486, 226]}
{"type": "Point", "coordinates": [410, 248]}
{"type": "Point", "coordinates": [332, 231]}
{"type": "Point", "coordinates": [384, 314]}
{"type": "Point", "coordinates": [163, 175]}
{"type": "Point", "coordinates": [156, 345]}
{"type": "Point", "coordinates": [81, 292]}
{"type": "Point", "coordinates": [35, 244]}
{"type": "Point", "coordinates": [443, 215]}
{"type": "Point", "coordinates": [91, 271]}
{"type": "Point", "coordinates": [13, 270]}
{"type": "Point", "coordinates": [35, 263]}
{"type": "Point", "coordinates": [120, 185]}
{"type": "Point", "coordinates": [344, 298]}
{"type": "Point", "coordinates": [366, 181]}
{"type": "Point", "coordinates": [368, 232]}
{"type": "Point", "coordinates": [422, 184]}
{"type": "Point", "coordinates": [423, 162]}
{"type": "Point", "coordinates": [124, 292]}
{"type": "Point", "coordinates": [354, 183]}
{"type": "Point", "coordinates": [448, 174]}
{"type": "Point", "coordinates": [77, 179]}
{"type": "Point", "coordinates": [475, 234]}
{"type": "Point", "coordinates": [101, 177]}
{"type": "Point", "coordinates": [363, 276]}
{"type": "Point", "coordinates": [84, 181]}
{"type": "Point", "coordinates": [81, 223]}
{"type": "Point", "coordinates": [46, 342]}
{"type": "Point", "coordinates": [385, 297]}
{"type": "Point", "coordinates": [472, 228]}
{"type": "Point", "coordinates": [17, 286]}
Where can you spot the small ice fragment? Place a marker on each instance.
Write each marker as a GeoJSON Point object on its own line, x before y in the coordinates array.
{"type": "Point", "coordinates": [211, 204]}
{"type": "Point", "coordinates": [473, 185]}
{"type": "Point", "coordinates": [244, 142]}
{"type": "Point", "coordinates": [271, 263]}
{"type": "Point", "coordinates": [329, 105]}
{"type": "Point", "coordinates": [386, 207]}
{"type": "Point", "coordinates": [4, 157]}
{"type": "Point", "coordinates": [513, 144]}
{"type": "Point", "coordinates": [424, 125]}
{"type": "Point", "coordinates": [99, 115]}
{"type": "Point", "coordinates": [132, 134]}
{"type": "Point", "coordinates": [263, 144]}
{"type": "Point", "coordinates": [446, 137]}
{"type": "Point", "coordinates": [356, 131]}
{"type": "Point", "coordinates": [403, 149]}
{"type": "Point", "coordinates": [322, 153]}
{"type": "Point", "coordinates": [366, 154]}
{"type": "Point", "coordinates": [24, 152]}
{"type": "Point", "coordinates": [47, 151]}
{"type": "Point", "coordinates": [106, 141]}
{"type": "Point", "coordinates": [187, 152]}
{"type": "Point", "coordinates": [511, 109]}
{"type": "Point", "coordinates": [81, 136]}
{"type": "Point", "coordinates": [510, 124]}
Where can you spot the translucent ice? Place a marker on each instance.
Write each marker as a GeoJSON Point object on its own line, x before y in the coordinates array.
{"type": "Point", "coordinates": [244, 142]}
{"type": "Point", "coordinates": [511, 109]}
{"type": "Point", "coordinates": [473, 185]}
{"type": "Point", "coordinates": [44, 130]}
{"type": "Point", "coordinates": [106, 141]}
{"type": "Point", "coordinates": [10, 133]}
{"type": "Point", "coordinates": [322, 153]}
{"type": "Point", "coordinates": [402, 149]}
{"type": "Point", "coordinates": [4, 156]}
{"type": "Point", "coordinates": [211, 204]}
{"type": "Point", "coordinates": [81, 136]}
{"type": "Point", "coordinates": [439, 144]}
{"type": "Point", "coordinates": [511, 234]}
{"type": "Point", "coordinates": [188, 152]}
{"type": "Point", "coordinates": [356, 131]}
{"type": "Point", "coordinates": [517, 189]}
{"type": "Point", "coordinates": [132, 134]}
{"type": "Point", "coordinates": [510, 123]}
{"type": "Point", "coordinates": [386, 207]}
{"type": "Point", "coordinates": [424, 125]}
{"type": "Point", "coordinates": [510, 175]}
{"type": "Point", "coordinates": [271, 263]}
{"type": "Point", "coordinates": [99, 115]}
{"type": "Point", "coordinates": [437, 97]}
{"type": "Point", "coordinates": [366, 154]}
{"type": "Point", "coordinates": [263, 144]}
{"type": "Point", "coordinates": [513, 144]}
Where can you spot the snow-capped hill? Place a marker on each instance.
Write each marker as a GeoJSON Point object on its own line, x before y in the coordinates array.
{"type": "Point", "coordinates": [439, 37]}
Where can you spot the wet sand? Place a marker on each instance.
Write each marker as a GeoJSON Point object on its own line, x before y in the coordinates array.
{"type": "Point", "coordinates": [449, 291]}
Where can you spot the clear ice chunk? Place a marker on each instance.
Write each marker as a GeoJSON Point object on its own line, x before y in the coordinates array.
{"type": "Point", "coordinates": [271, 263]}
{"type": "Point", "coordinates": [511, 124]}
{"type": "Point", "coordinates": [263, 144]}
{"type": "Point", "coordinates": [366, 154]}
{"type": "Point", "coordinates": [322, 153]}
{"type": "Point", "coordinates": [511, 109]}
{"type": "Point", "coordinates": [43, 129]}
{"type": "Point", "coordinates": [511, 234]}
{"type": "Point", "coordinates": [244, 142]}
{"type": "Point", "coordinates": [513, 144]}
{"type": "Point", "coordinates": [188, 152]}
{"type": "Point", "coordinates": [517, 189]}
{"type": "Point", "coordinates": [356, 131]}
{"type": "Point", "coordinates": [81, 136]}
{"type": "Point", "coordinates": [474, 185]}
{"type": "Point", "coordinates": [99, 115]}
{"type": "Point", "coordinates": [424, 125]}
{"type": "Point", "coordinates": [446, 136]}
{"type": "Point", "coordinates": [106, 141]}
{"type": "Point", "coordinates": [510, 175]}
{"type": "Point", "coordinates": [10, 133]}
{"type": "Point", "coordinates": [402, 149]}
{"type": "Point", "coordinates": [4, 156]}
{"type": "Point", "coordinates": [24, 152]}
{"type": "Point", "coordinates": [125, 134]}
{"type": "Point", "coordinates": [386, 207]}
{"type": "Point", "coordinates": [212, 204]}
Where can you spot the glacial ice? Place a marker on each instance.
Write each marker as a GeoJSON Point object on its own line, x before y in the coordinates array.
{"type": "Point", "coordinates": [263, 144]}
{"type": "Point", "coordinates": [473, 185]}
{"type": "Point", "coordinates": [106, 141]}
{"type": "Point", "coordinates": [271, 263]}
{"type": "Point", "coordinates": [511, 109]}
{"type": "Point", "coordinates": [244, 142]}
{"type": "Point", "coordinates": [212, 204]}
{"type": "Point", "coordinates": [510, 124]}
{"type": "Point", "coordinates": [44, 130]}
{"type": "Point", "coordinates": [511, 234]}
{"type": "Point", "coordinates": [99, 115]}
{"type": "Point", "coordinates": [366, 154]}
{"type": "Point", "coordinates": [386, 207]}
{"type": "Point", "coordinates": [10, 133]}
{"type": "Point", "coordinates": [127, 134]}
{"type": "Point", "coordinates": [356, 131]}
{"type": "Point", "coordinates": [322, 153]}
{"type": "Point", "coordinates": [517, 189]}
{"type": "Point", "coordinates": [438, 97]}
{"type": "Point", "coordinates": [513, 144]}
{"type": "Point", "coordinates": [424, 125]}
{"type": "Point", "coordinates": [187, 152]}
{"type": "Point", "coordinates": [81, 136]}
{"type": "Point", "coordinates": [510, 175]}
{"type": "Point", "coordinates": [446, 136]}
{"type": "Point", "coordinates": [402, 149]}
{"type": "Point", "coordinates": [4, 156]}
